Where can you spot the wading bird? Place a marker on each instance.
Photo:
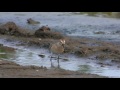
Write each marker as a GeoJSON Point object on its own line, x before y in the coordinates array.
{"type": "Point", "coordinates": [57, 48]}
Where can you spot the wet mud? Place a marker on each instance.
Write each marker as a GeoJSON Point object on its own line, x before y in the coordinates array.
{"type": "Point", "coordinates": [44, 37]}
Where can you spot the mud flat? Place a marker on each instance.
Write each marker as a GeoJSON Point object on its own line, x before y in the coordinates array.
{"type": "Point", "coordinates": [44, 37]}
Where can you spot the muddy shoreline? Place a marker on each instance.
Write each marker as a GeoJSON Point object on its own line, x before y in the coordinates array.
{"type": "Point", "coordinates": [44, 37]}
{"type": "Point", "coordinates": [12, 70]}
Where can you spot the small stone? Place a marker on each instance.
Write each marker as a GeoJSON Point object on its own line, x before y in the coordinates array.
{"type": "Point", "coordinates": [66, 59]}
{"type": "Point", "coordinates": [31, 21]}
{"type": "Point", "coordinates": [42, 55]}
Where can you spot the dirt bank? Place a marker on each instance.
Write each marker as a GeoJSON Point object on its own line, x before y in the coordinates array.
{"type": "Point", "coordinates": [12, 70]}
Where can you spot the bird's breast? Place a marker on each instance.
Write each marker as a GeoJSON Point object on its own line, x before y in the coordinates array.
{"type": "Point", "coordinates": [57, 49]}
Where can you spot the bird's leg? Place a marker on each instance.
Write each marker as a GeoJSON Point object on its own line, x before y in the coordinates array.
{"type": "Point", "coordinates": [52, 64]}
{"type": "Point", "coordinates": [58, 58]}
{"type": "Point", "coordinates": [50, 58]}
{"type": "Point", "coordinates": [58, 61]}
{"type": "Point", "coordinates": [51, 61]}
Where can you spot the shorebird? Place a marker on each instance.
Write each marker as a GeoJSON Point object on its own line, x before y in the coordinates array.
{"type": "Point", "coordinates": [57, 48]}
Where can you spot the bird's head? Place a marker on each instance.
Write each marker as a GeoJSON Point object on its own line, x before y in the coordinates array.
{"type": "Point", "coordinates": [62, 41]}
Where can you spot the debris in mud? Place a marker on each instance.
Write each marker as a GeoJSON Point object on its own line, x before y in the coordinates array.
{"type": "Point", "coordinates": [116, 61]}
{"type": "Point", "coordinates": [65, 59]}
{"type": "Point", "coordinates": [101, 57]}
{"type": "Point", "coordinates": [31, 21]}
{"type": "Point", "coordinates": [100, 32]}
{"type": "Point", "coordinates": [104, 64]}
{"type": "Point", "coordinates": [109, 49]}
{"type": "Point", "coordinates": [41, 55]}
{"type": "Point", "coordinates": [45, 32]}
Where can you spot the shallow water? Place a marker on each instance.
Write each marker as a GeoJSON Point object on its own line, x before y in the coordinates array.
{"type": "Point", "coordinates": [70, 24]}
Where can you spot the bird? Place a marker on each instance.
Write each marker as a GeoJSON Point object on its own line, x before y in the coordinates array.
{"type": "Point", "coordinates": [57, 48]}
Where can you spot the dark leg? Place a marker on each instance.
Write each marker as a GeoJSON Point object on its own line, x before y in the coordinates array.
{"type": "Point", "coordinates": [58, 61]}
{"type": "Point", "coordinates": [51, 59]}
{"type": "Point", "coordinates": [51, 56]}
